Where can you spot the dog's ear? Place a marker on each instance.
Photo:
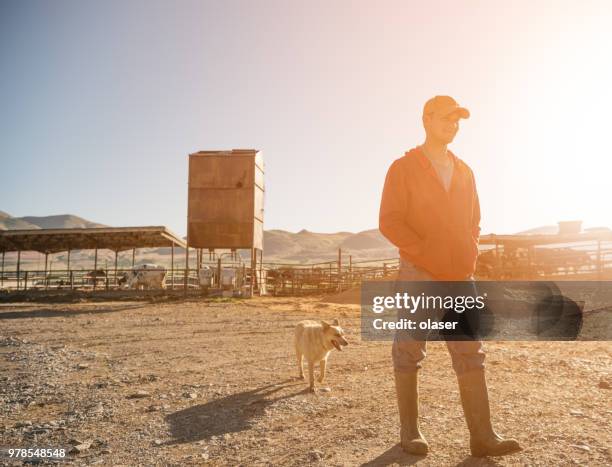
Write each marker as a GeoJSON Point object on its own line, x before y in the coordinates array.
{"type": "Point", "coordinates": [335, 322]}
{"type": "Point", "coordinates": [325, 324]}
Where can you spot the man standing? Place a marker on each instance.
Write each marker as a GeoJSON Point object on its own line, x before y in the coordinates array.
{"type": "Point", "coordinates": [431, 212]}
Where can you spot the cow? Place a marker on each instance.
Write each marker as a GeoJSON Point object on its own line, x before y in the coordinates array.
{"type": "Point", "coordinates": [146, 276]}
{"type": "Point", "coordinates": [95, 276]}
{"type": "Point", "coordinates": [228, 278]}
{"type": "Point", "coordinates": [206, 275]}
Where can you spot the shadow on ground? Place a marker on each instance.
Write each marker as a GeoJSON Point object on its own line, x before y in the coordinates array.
{"type": "Point", "coordinates": [54, 312]}
{"type": "Point", "coordinates": [396, 456]}
{"type": "Point", "coordinates": [225, 415]}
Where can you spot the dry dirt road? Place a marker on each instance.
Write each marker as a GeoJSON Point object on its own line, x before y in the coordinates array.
{"type": "Point", "coordinates": [213, 382]}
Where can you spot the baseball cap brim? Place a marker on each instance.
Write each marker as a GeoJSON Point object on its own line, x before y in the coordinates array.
{"type": "Point", "coordinates": [461, 111]}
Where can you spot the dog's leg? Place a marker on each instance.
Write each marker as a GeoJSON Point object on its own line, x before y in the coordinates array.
{"type": "Point", "coordinates": [311, 365]}
{"type": "Point", "coordinates": [322, 364]}
{"type": "Point", "coordinates": [300, 363]}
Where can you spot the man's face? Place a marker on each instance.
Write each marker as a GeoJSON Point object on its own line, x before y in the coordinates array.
{"type": "Point", "coordinates": [440, 127]}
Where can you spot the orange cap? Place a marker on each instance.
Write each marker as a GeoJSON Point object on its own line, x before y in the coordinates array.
{"type": "Point", "coordinates": [445, 105]}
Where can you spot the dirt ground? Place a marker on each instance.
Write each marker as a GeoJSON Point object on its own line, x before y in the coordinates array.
{"type": "Point", "coordinates": [190, 382]}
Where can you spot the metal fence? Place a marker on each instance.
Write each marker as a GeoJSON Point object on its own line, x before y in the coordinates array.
{"type": "Point", "coordinates": [536, 262]}
{"type": "Point", "coordinates": [270, 278]}
{"type": "Point", "coordinates": [578, 261]}
{"type": "Point", "coordinates": [325, 277]}
{"type": "Point", "coordinates": [100, 279]}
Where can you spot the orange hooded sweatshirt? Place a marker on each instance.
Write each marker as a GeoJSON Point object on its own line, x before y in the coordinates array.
{"type": "Point", "coordinates": [433, 229]}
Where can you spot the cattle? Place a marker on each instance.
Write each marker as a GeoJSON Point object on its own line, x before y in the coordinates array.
{"type": "Point", "coordinates": [146, 276]}
{"type": "Point", "coordinates": [206, 275]}
{"type": "Point", "coordinates": [297, 278]}
{"type": "Point", "coordinates": [97, 276]}
{"type": "Point", "coordinates": [228, 278]}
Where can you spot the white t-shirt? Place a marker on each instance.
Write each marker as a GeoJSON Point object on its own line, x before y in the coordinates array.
{"type": "Point", "coordinates": [444, 171]}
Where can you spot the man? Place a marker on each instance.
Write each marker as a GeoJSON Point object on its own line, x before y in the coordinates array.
{"type": "Point", "coordinates": [430, 211]}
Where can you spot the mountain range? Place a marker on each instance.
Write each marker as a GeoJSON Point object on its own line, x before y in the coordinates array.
{"type": "Point", "coordinates": [62, 221]}
{"type": "Point", "coordinates": [279, 245]}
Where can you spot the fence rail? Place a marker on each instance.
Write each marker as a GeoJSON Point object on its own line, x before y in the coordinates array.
{"type": "Point", "coordinates": [100, 279]}
{"type": "Point", "coordinates": [583, 262]}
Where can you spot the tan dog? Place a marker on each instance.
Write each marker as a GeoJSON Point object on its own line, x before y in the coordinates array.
{"type": "Point", "coordinates": [314, 340]}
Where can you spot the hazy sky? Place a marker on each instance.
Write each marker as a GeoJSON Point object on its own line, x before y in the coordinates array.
{"type": "Point", "coordinates": [101, 102]}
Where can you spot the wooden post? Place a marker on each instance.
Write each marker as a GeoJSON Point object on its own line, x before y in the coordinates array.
{"type": "Point", "coordinates": [599, 262]}
{"type": "Point", "coordinates": [2, 276]}
{"type": "Point", "coordinates": [172, 265]}
{"type": "Point", "coordinates": [497, 261]}
{"type": "Point", "coordinates": [68, 268]}
{"type": "Point", "coordinates": [339, 269]}
{"type": "Point", "coordinates": [51, 266]}
{"type": "Point", "coordinates": [25, 283]}
{"type": "Point", "coordinates": [116, 253]}
{"type": "Point", "coordinates": [503, 262]}
{"type": "Point", "coordinates": [261, 280]}
{"type": "Point", "coordinates": [251, 286]}
{"type": "Point", "coordinates": [186, 279]}
{"type": "Point", "coordinates": [529, 272]}
{"type": "Point", "coordinates": [71, 280]}
{"type": "Point", "coordinates": [95, 271]}
{"type": "Point", "coordinates": [46, 266]}
{"type": "Point", "coordinates": [18, 268]}
{"type": "Point", "coordinates": [256, 279]}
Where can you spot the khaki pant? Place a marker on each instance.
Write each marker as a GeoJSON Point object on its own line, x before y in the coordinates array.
{"type": "Point", "coordinates": [408, 353]}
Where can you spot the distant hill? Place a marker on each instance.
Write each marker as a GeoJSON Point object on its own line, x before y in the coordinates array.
{"type": "Point", "coordinates": [14, 223]}
{"type": "Point", "coordinates": [280, 246]}
{"type": "Point", "coordinates": [368, 239]}
{"type": "Point", "coordinates": [306, 246]}
{"type": "Point", "coordinates": [62, 221]}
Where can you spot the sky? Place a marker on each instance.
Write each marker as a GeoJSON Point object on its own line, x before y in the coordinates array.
{"type": "Point", "coordinates": [102, 101]}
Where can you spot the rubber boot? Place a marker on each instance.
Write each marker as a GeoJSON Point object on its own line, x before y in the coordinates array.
{"type": "Point", "coordinates": [475, 401]}
{"type": "Point", "coordinates": [406, 387]}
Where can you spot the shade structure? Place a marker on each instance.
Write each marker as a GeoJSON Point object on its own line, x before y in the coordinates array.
{"type": "Point", "coordinates": [112, 238]}
{"type": "Point", "coordinates": [545, 239]}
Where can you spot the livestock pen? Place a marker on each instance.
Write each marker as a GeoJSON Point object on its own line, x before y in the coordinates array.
{"type": "Point", "coordinates": [581, 256]}
{"type": "Point", "coordinates": [565, 256]}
